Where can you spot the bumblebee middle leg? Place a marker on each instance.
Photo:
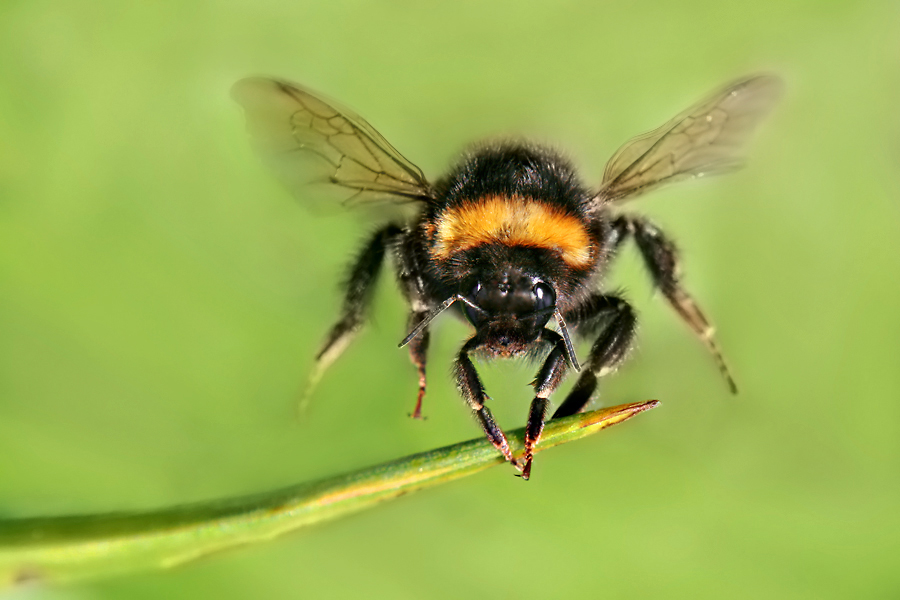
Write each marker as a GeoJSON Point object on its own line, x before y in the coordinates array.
{"type": "Point", "coordinates": [418, 352]}
{"type": "Point", "coordinates": [615, 320]}
{"type": "Point", "coordinates": [410, 279]}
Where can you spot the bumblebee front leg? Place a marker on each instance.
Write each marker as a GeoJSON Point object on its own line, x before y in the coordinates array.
{"type": "Point", "coordinates": [616, 322]}
{"type": "Point", "coordinates": [661, 258]}
{"type": "Point", "coordinates": [472, 390]}
{"type": "Point", "coordinates": [546, 381]}
{"type": "Point", "coordinates": [360, 287]}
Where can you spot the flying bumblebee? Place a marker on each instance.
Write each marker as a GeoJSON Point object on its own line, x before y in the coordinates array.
{"type": "Point", "coordinates": [510, 239]}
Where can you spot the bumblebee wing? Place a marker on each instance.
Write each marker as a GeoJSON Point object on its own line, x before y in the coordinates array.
{"type": "Point", "coordinates": [705, 139]}
{"type": "Point", "coordinates": [309, 139]}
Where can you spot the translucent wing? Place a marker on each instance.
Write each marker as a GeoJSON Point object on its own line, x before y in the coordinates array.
{"type": "Point", "coordinates": [703, 140]}
{"type": "Point", "coordinates": [302, 135]}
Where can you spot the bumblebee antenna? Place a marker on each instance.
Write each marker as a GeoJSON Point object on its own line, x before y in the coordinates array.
{"type": "Point", "coordinates": [430, 316]}
{"type": "Point", "coordinates": [570, 349]}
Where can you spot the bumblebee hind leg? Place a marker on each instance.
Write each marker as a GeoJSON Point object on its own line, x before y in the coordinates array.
{"type": "Point", "coordinates": [360, 286]}
{"type": "Point", "coordinates": [661, 258]}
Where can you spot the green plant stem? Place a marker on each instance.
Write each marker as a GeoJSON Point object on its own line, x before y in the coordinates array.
{"type": "Point", "coordinates": [67, 548]}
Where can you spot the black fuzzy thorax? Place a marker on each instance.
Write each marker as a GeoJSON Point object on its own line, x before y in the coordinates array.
{"type": "Point", "coordinates": [512, 169]}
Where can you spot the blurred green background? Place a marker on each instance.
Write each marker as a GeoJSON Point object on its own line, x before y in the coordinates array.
{"type": "Point", "coordinates": [161, 296]}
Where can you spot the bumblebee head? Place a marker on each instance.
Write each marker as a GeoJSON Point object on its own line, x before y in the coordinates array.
{"type": "Point", "coordinates": [510, 295]}
{"type": "Point", "coordinates": [508, 304]}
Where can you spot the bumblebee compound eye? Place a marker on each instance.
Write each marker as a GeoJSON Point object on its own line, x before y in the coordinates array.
{"type": "Point", "coordinates": [474, 316]}
{"type": "Point", "coordinates": [544, 298]}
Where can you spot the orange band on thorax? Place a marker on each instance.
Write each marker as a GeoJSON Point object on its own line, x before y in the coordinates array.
{"type": "Point", "coordinates": [513, 221]}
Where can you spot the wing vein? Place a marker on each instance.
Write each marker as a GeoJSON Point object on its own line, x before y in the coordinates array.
{"type": "Point", "coordinates": [284, 119]}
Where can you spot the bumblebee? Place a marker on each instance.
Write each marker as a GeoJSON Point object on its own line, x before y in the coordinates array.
{"type": "Point", "coordinates": [511, 240]}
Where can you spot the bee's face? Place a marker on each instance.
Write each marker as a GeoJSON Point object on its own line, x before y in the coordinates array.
{"type": "Point", "coordinates": [509, 295]}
